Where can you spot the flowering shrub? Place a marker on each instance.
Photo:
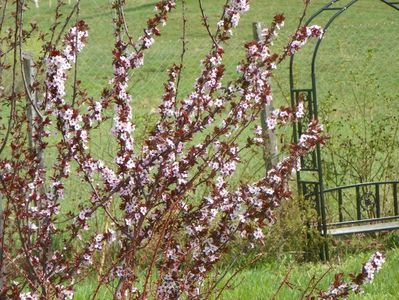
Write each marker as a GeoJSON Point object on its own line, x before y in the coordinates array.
{"type": "Point", "coordinates": [161, 217]}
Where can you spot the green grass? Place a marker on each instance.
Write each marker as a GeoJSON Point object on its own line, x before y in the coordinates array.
{"type": "Point", "coordinates": [262, 281]}
{"type": "Point", "coordinates": [369, 25]}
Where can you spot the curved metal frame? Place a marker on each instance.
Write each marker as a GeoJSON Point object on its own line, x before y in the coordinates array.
{"type": "Point", "coordinates": [313, 163]}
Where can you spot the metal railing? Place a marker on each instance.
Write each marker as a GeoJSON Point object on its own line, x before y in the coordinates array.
{"type": "Point", "coordinates": [365, 196]}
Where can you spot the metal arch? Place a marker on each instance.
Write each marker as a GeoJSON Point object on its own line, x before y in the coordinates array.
{"type": "Point", "coordinates": [316, 188]}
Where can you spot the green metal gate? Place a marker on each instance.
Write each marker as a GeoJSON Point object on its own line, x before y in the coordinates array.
{"type": "Point", "coordinates": [312, 163]}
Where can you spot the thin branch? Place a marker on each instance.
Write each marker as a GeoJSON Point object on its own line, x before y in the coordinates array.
{"type": "Point", "coordinates": [205, 20]}
{"type": "Point", "coordinates": [183, 46]}
{"type": "Point", "coordinates": [304, 295]}
{"type": "Point", "coordinates": [75, 75]}
{"type": "Point", "coordinates": [302, 17]}
{"type": "Point", "coordinates": [239, 270]}
{"type": "Point", "coordinates": [282, 283]}
{"type": "Point", "coordinates": [28, 88]}
{"type": "Point", "coordinates": [17, 28]}
{"type": "Point", "coordinates": [4, 7]}
{"type": "Point", "coordinates": [122, 17]}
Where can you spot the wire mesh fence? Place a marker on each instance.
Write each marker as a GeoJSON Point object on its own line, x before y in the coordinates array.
{"type": "Point", "coordinates": [94, 67]}
{"type": "Point", "coordinates": [359, 49]}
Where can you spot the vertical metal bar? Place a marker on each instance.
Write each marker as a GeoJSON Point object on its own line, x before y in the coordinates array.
{"type": "Point", "coordinates": [395, 198]}
{"type": "Point", "coordinates": [304, 189]}
{"type": "Point", "coordinates": [341, 217]}
{"type": "Point", "coordinates": [318, 208]}
{"type": "Point", "coordinates": [300, 121]}
{"type": "Point", "coordinates": [377, 200]}
{"type": "Point", "coordinates": [358, 203]}
{"type": "Point", "coordinates": [270, 151]}
{"type": "Point", "coordinates": [325, 252]}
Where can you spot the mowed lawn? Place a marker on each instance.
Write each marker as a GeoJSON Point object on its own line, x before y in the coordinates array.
{"type": "Point", "coordinates": [363, 43]}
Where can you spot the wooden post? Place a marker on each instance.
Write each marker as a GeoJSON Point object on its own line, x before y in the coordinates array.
{"type": "Point", "coordinates": [29, 78]}
{"type": "Point", "coordinates": [31, 99]}
{"type": "Point", "coordinates": [29, 74]}
{"type": "Point", "coordinates": [270, 153]}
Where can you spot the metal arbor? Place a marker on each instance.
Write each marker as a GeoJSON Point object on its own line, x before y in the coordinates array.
{"type": "Point", "coordinates": [314, 188]}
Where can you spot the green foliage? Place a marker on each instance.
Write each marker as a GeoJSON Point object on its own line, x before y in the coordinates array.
{"type": "Point", "coordinates": [392, 241]}
{"type": "Point", "coordinates": [363, 131]}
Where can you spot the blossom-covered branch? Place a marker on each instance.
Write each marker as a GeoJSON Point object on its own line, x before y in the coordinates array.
{"type": "Point", "coordinates": [169, 201]}
{"type": "Point", "coordinates": [340, 289]}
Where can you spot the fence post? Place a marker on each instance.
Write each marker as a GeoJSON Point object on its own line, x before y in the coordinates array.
{"type": "Point", "coordinates": [29, 78]}
{"type": "Point", "coordinates": [270, 151]}
{"type": "Point", "coordinates": [31, 96]}
{"type": "Point", "coordinates": [29, 74]}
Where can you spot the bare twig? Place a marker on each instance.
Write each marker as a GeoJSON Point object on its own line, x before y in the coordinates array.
{"type": "Point", "coordinates": [183, 42]}
{"type": "Point", "coordinates": [75, 75]}
{"type": "Point", "coordinates": [306, 294]}
{"type": "Point", "coordinates": [17, 33]}
{"type": "Point", "coordinates": [239, 270]}
{"type": "Point", "coordinates": [282, 283]}
{"type": "Point", "coordinates": [205, 22]}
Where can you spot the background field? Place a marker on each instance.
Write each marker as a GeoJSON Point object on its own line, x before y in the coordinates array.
{"type": "Point", "coordinates": [358, 79]}
{"type": "Point", "coordinates": [357, 73]}
{"type": "Point", "coordinates": [356, 65]}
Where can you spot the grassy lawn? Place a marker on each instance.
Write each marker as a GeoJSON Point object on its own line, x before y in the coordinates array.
{"type": "Point", "coordinates": [262, 281]}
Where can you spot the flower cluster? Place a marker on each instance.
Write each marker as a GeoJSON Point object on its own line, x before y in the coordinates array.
{"type": "Point", "coordinates": [301, 37]}
{"type": "Point", "coordinates": [372, 267]}
{"type": "Point", "coordinates": [235, 8]}
{"type": "Point", "coordinates": [123, 62]}
{"type": "Point", "coordinates": [75, 41]}
{"type": "Point", "coordinates": [58, 63]}
{"type": "Point", "coordinates": [340, 289]}
{"type": "Point", "coordinates": [284, 115]}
